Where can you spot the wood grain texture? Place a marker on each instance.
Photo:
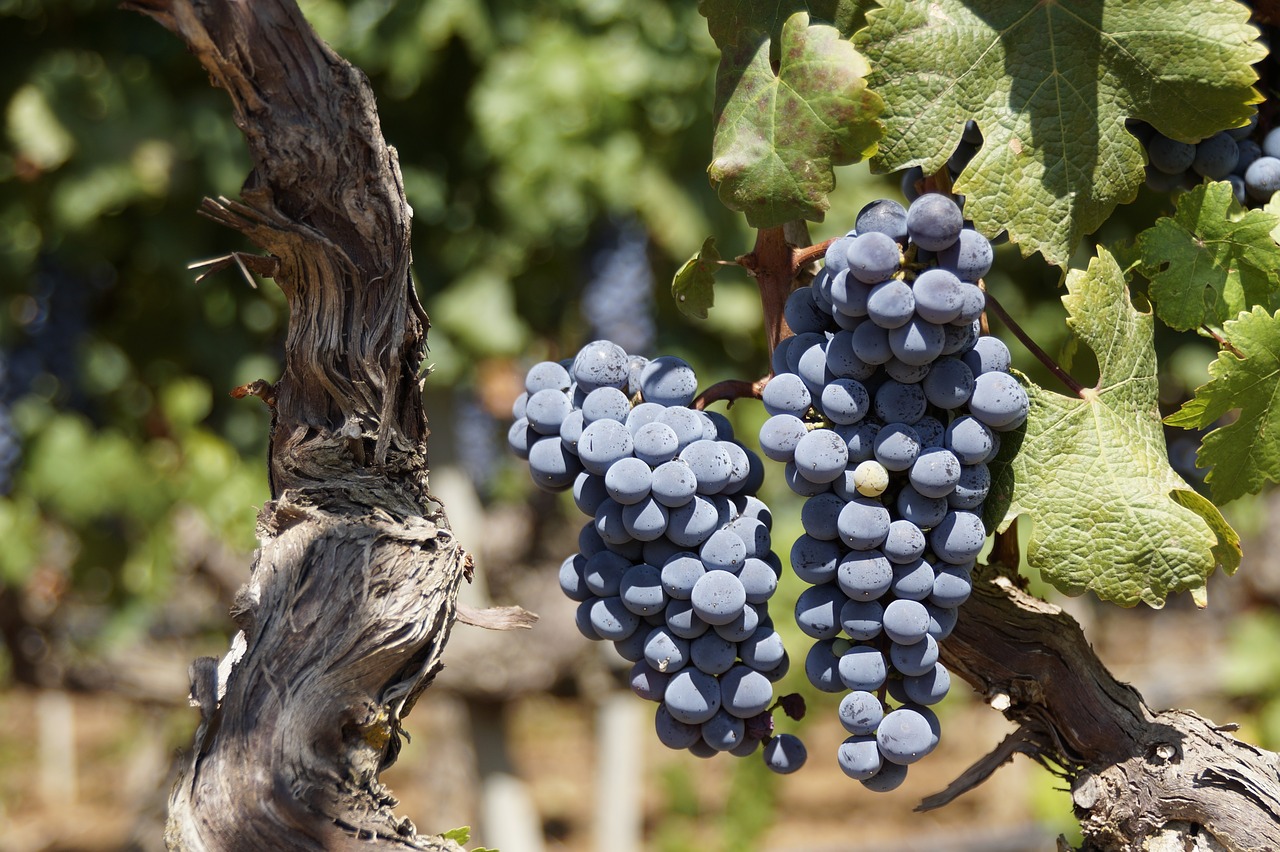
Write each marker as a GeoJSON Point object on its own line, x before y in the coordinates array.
{"type": "Point", "coordinates": [353, 592]}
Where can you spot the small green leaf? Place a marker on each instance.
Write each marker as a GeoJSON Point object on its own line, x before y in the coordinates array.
{"type": "Point", "coordinates": [1244, 454]}
{"type": "Point", "coordinates": [1050, 85]}
{"type": "Point", "coordinates": [1211, 261]}
{"type": "Point", "coordinates": [1110, 515]}
{"type": "Point", "coordinates": [694, 284]}
{"type": "Point", "coordinates": [778, 136]}
{"type": "Point", "coordinates": [461, 834]}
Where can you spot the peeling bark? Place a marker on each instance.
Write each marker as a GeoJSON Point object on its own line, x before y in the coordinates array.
{"type": "Point", "coordinates": [1139, 779]}
{"type": "Point", "coordinates": [353, 592]}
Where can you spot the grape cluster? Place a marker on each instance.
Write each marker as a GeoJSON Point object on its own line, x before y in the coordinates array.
{"type": "Point", "coordinates": [887, 405]}
{"type": "Point", "coordinates": [676, 566]}
{"type": "Point", "coordinates": [1252, 169]}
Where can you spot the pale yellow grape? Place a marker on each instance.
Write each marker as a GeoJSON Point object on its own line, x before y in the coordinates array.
{"type": "Point", "coordinates": [870, 478]}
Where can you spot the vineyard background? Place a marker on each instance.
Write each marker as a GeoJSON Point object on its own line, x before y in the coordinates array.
{"type": "Point", "coordinates": [555, 160]}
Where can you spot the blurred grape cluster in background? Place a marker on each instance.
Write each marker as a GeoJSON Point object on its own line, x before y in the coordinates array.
{"type": "Point", "coordinates": [554, 154]}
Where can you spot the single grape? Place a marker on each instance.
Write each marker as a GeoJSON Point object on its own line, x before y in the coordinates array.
{"type": "Point", "coordinates": [863, 523]}
{"type": "Point", "coordinates": [718, 597]}
{"type": "Point", "coordinates": [745, 692]}
{"type": "Point", "coordinates": [862, 668]}
{"type": "Point", "coordinates": [845, 401]}
{"type": "Point", "coordinates": [912, 581]}
{"type": "Point", "coordinates": [641, 590]}
{"type": "Point", "coordinates": [900, 371]}
{"type": "Point", "coordinates": [972, 488]}
{"type": "Point", "coordinates": [891, 303]}
{"type": "Point", "coordinates": [814, 560]}
{"type": "Point", "coordinates": [873, 257]}
{"type": "Point", "coordinates": [668, 380]}
{"type": "Point", "coordinates": [884, 216]}
{"type": "Point", "coordinates": [724, 550]}
{"type": "Point", "coordinates": [999, 401]}
{"type": "Point", "coordinates": [821, 456]}
{"type": "Point", "coordinates": [918, 343]}
{"type": "Point", "coordinates": [786, 393]}
{"type": "Point", "coordinates": [906, 622]}
{"type": "Point", "coordinates": [710, 463]}
{"type": "Point", "coordinates": [552, 467]}
{"type": "Point", "coordinates": [958, 538]}
{"type": "Point", "coordinates": [952, 586]}
{"type": "Point", "coordinates": [896, 402]}
{"type": "Point", "coordinates": [969, 257]}
{"type": "Point", "coordinates": [870, 343]}
{"type": "Point", "coordinates": [889, 778]}
{"type": "Point", "coordinates": [1169, 155]}
{"type": "Point", "coordinates": [859, 756]}
{"type": "Point", "coordinates": [928, 688]}
{"type": "Point", "coordinates": [935, 472]}
{"type": "Point", "coordinates": [600, 364]}
{"type": "Point", "coordinates": [712, 653]}
{"type": "Point", "coordinates": [860, 714]}
{"type": "Point", "coordinates": [896, 446]}
{"type": "Point", "coordinates": [692, 696]}
{"type": "Point", "coordinates": [822, 667]}
{"type": "Point", "coordinates": [970, 439]}
{"type": "Point", "coordinates": [691, 524]}
{"type": "Point", "coordinates": [802, 312]}
{"type": "Point", "coordinates": [904, 543]}
{"type": "Point", "coordinates": [938, 295]}
{"type": "Point", "coordinates": [934, 221]}
{"type": "Point", "coordinates": [988, 355]}
{"type": "Point", "coordinates": [588, 492]}
{"type": "Point", "coordinates": [864, 576]}
{"type": "Point", "coordinates": [904, 736]}
{"type": "Point", "coordinates": [914, 660]}
{"type": "Point", "coordinates": [647, 682]}
{"type": "Point", "coordinates": [723, 732]}
{"type": "Point", "coordinates": [1216, 156]}
{"type": "Point", "coordinates": [949, 384]}
{"type": "Point", "coordinates": [1262, 178]}
{"type": "Point", "coordinates": [645, 520]}
{"type": "Point", "coordinates": [924, 512]}
{"type": "Point", "coordinates": [654, 443]}
{"type": "Point", "coordinates": [679, 573]}
{"type": "Point", "coordinates": [612, 620]}
{"type": "Point", "coordinates": [546, 410]}
{"type": "Point", "coordinates": [605, 404]}
{"type": "Point", "coordinates": [820, 514]}
{"type": "Point", "coordinates": [817, 611]}
{"type": "Point", "coordinates": [602, 444]}
{"type": "Point", "coordinates": [848, 299]}
{"type": "Point", "coordinates": [758, 580]}
{"type": "Point", "coordinates": [628, 480]}
{"type": "Point", "coordinates": [784, 754]}
{"type": "Point", "coordinates": [763, 650]}
{"type": "Point", "coordinates": [673, 484]}
{"type": "Point", "coordinates": [673, 733]}
{"type": "Point", "coordinates": [860, 619]}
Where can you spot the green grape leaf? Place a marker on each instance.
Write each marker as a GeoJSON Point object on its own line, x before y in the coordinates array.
{"type": "Point", "coordinates": [1245, 453]}
{"type": "Point", "coordinates": [461, 834]}
{"type": "Point", "coordinates": [732, 22]}
{"type": "Point", "coordinates": [1211, 260]}
{"type": "Point", "coordinates": [1110, 515]}
{"type": "Point", "coordinates": [694, 285]}
{"type": "Point", "coordinates": [778, 136]}
{"type": "Point", "coordinates": [1050, 85]}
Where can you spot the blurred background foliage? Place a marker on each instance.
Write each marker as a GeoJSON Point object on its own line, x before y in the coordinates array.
{"type": "Point", "coordinates": [554, 153]}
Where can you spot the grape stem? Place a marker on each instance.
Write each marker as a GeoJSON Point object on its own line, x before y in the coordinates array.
{"type": "Point", "coordinates": [1223, 342]}
{"type": "Point", "coordinates": [775, 262]}
{"type": "Point", "coordinates": [1052, 365]}
{"type": "Point", "coordinates": [731, 390]}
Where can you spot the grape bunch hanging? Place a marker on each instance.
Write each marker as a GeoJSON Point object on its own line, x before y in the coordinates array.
{"type": "Point", "coordinates": [887, 404]}
{"type": "Point", "coordinates": [676, 567]}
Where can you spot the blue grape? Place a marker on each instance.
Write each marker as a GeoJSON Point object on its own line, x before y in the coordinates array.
{"type": "Point", "coordinates": [907, 374]}
{"type": "Point", "coordinates": [758, 580]}
{"type": "Point", "coordinates": [553, 468]}
{"type": "Point", "coordinates": [603, 571]}
{"type": "Point", "coordinates": [518, 438]}
{"type": "Point", "coordinates": [938, 295]}
{"type": "Point", "coordinates": [999, 401]}
{"type": "Point", "coordinates": [969, 257]}
{"type": "Point", "coordinates": [745, 692]}
{"type": "Point", "coordinates": [958, 339]}
{"type": "Point", "coordinates": [784, 754]}
{"type": "Point", "coordinates": [861, 619]}
{"type": "Point", "coordinates": [942, 620]}
{"type": "Point", "coordinates": [547, 375]}
{"type": "Point", "coordinates": [753, 533]}
{"type": "Point", "coordinates": [860, 714]}
{"type": "Point", "coordinates": [906, 622]}
{"type": "Point", "coordinates": [934, 222]}
{"type": "Point", "coordinates": [800, 484]}
{"type": "Point", "coordinates": [896, 446]}
{"type": "Point", "coordinates": [863, 523]}
{"type": "Point", "coordinates": [801, 343]}
{"type": "Point", "coordinates": [935, 472]}
{"type": "Point", "coordinates": [802, 312]}
{"type": "Point", "coordinates": [686, 423]}
{"type": "Point", "coordinates": [870, 343]}
{"type": "Point", "coordinates": [813, 370]}
{"type": "Point", "coordinates": [958, 538]}
{"type": "Point", "coordinates": [916, 659]}
{"type": "Point", "coordinates": [612, 620]}
{"type": "Point", "coordinates": [862, 669]}
{"type": "Point", "coordinates": [904, 543]}
{"type": "Point", "coordinates": [668, 380]}
{"type": "Point", "coordinates": [884, 216]}
{"type": "Point", "coordinates": [952, 586]}
{"type": "Point", "coordinates": [1169, 155]}
{"type": "Point", "coordinates": [864, 576]}
{"type": "Point", "coordinates": [605, 404]}
{"type": "Point", "coordinates": [848, 298]}
{"type": "Point", "coordinates": [972, 488]}
{"type": "Point", "coordinates": [819, 516]}
{"type": "Point", "coordinates": [928, 688]}
{"type": "Point", "coordinates": [600, 364]}
{"type": "Point", "coordinates": [655, 444]}
{"type": "Point", "coordinates": [673, 484]}
{"type": "Point", "coordinates": [602, 444]}
{"type": "Point", "coordinates": [889, 778]}
{"type": "Point", "coordinates": [821, 456]}
{"type": "Point", "coordinates": [546, 410]}
{"type": "Point", "coordinates": [873, 257]}
{"type": "Point", "coordinates": [930, 430]}
{"type": "Point", "coordinates": [673, 733]}
{"type": "Point", "coordinates": [817, 611]}
{"type": "Point", "coordinates": [718, 597]}
{"type": "Point", "coordinates": [917, 343]}
{"type": "Point", "coordinates": [571, 578]}
{"type": "Point", "coordinates": [589, 492]}
{"type": "Point", "coordinates": [970, 439]}
{"type": "Point", "coordinates": [723, 550]}
{"type": "Point", "coordinates": [904, 736]}
{"type": "Point", "coordinates": [645, 520]}
{"type": "Point", "coordinates": [763, 650]}
{"type": "Point", "coordinates": [627, 480]}
{"type": "Point", "coordinates": [582, 620]}
{"type": "Point", "coordinates": [692, 696]}
{"type": "Point", "coordinates": [647, 682]}
{"type": "Point", "coordinates": [891, 304]}
{"type": "Point", "coordinates": [859, 756]}
{"type": "Point", "coordinates": [691, 524]}
{"type": "Point", "coordinates": [860, 439]}
{"type": "Point", "coordinates": [896, 402]}
{"type": "Point", "coordinates": [710, 463]}
{"type": "Point", "coordinates": [723, 732]}
{"type": "Point", "coordinates": [679, 573]}
{"type": "Point", "coordinates": [779, 436]}
{"type": "Point", "coordinates": [815, 560]}
{"type": "Point", "coordinates": [1262, 178]}
{"type": "Point", "coordinates": [641, 590]}
{"type": "Point", "coordinates": [786, 393]}
{"type": "Point", "coordinates": [822, 667]}
{"type": "Point", "coordinates": [666, 651]}
{"type": "Point", "coordinates": [973, 303]}
{"type": "Point", "coordinates": [843, 362]}
{"type": "Point", "coordinates": [1216, 157]}
{"type": "Point", "coordinates": [924, 512]}
{"type": "Point", "coordinates": [949, 384]}
{"type": "Point", "coordinates": [712, 653]}
{"type": "Point", "coordinates": [836, 257]}
{"type": "Point", "coordinates": [912, 581]}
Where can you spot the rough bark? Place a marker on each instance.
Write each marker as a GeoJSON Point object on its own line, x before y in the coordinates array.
{"type": "Point", "coordinates": [353, 592]}
{"type": "Point", "coordinates": [1139, 779]}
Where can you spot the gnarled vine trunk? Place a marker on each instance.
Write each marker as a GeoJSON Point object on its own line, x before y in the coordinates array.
{"type": "Point", "coordinates": [353, 592]}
